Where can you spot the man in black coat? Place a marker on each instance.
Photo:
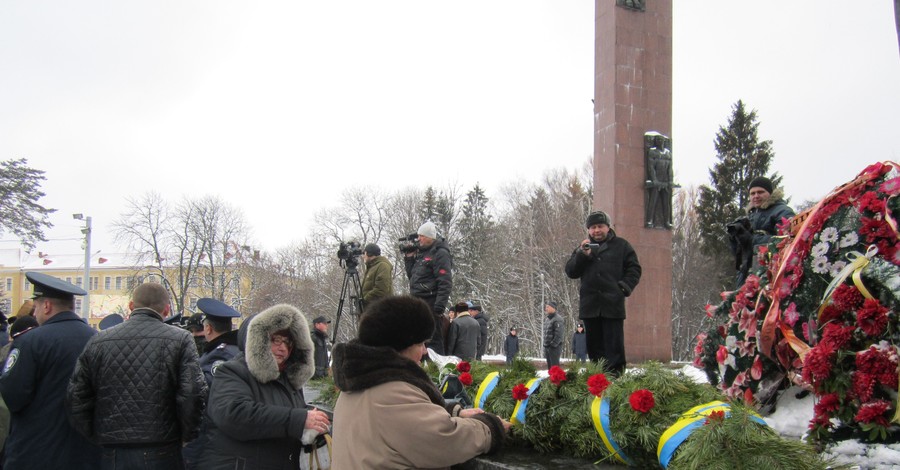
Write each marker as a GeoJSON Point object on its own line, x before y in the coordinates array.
{"type": "Point", "coordinates": [609, 271]}
{"type": "Point", "coordinates": [34, 382]}
{"type": "Point", "coordinates": [138, 388]}
{"type": "Point", "coordinates": [320, 342]}
{"type": "Point", "coordinates": [511, 346]}
{"type": "Point", "coordinates": [430, 278]}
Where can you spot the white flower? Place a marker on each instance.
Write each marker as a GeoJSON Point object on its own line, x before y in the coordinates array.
{"type": "Point", "coordinates": [820, 265]}
{"type": "Point", "coordinates": [849, 239]}
{"type": "Point", "coordinates": [731, 342]}
{"type": "Point", "coordinates": [820, 249]}
{"type": "Point", "coordinates": [829, 234]}
{"type": "Point", "coordinates": [837, 267]}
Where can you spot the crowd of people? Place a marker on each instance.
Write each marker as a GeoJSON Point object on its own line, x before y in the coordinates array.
{"type": "Point", "coordinates": [145, 394]}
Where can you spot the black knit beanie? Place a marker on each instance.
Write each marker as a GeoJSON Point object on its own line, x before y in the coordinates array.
{"type": "Point", "coordinates": [761, 182]}
{"type": "Point", "coordinates": [397, 321]}
{"type": "Point", "coordinates": [598, 217]}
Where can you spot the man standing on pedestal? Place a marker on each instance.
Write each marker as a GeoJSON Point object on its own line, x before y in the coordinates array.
{"type": "Point", "coordinates": [609, 271]}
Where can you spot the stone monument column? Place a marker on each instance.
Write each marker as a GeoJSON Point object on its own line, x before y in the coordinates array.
{"type": "Point", "coordinates": [633, 96]}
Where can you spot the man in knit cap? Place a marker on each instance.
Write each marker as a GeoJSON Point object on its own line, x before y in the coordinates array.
{"type": "Point", "coordinates": [430, 278]}
{"type": "Point", "coordinates": [766, 212]}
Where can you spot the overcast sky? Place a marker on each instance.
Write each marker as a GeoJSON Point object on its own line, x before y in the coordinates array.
{"type": "Point", "coordinates": [278, 107]}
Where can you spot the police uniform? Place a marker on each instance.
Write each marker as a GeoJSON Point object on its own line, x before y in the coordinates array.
{"type": "Point", "coordinates": [221, 349]}
{"type": "Point", "coordinates": [33, 384]}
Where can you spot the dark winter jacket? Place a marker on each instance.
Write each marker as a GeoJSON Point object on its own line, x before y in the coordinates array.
{"type": "Point", "coordinates": [221, 349]}
{"type": "Point", "coordinates": [607, 276]}
{"type": "Point", "coordinates": [579, 344]}
{"type": "Point", "coordinates": [378, 281]}
{"type": "Point", "coordinates": [256, 414]}
{"type": "Point", "coordinates": [138, 384]}
{"type": "Point", "coordinates": [511, 346]}
{"type": "Point", "coordinates": [462, 339]}
{"type": "Point", "coordinates": [553, 331]}
{"type": "Point", "coordinates": [33, 386]}
{"type": "Point", "coordinates": [483, 320]}
{"type": "Point", "coordinates": [430, 275]}
{"type": "Point", "coordinates": [320, 344]}
{"type": "Point", "coordinates": [765, 219]}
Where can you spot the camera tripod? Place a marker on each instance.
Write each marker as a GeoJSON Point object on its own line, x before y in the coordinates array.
{"type": "Point", "coordinates": [352, 284]}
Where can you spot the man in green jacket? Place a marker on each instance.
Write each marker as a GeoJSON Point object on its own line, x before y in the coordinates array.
{"type": "Point", "coordinates": [378, 281]}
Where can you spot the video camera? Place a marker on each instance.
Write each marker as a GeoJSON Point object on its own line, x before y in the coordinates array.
{"type": "Point", "coordinates": [409, 243]}
{"type": "Point", "coordinates": [348, 253]}
{"type": "Point", "coordinates": [737, 227]}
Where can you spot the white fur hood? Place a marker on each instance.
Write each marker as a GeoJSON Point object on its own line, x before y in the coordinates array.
{"type": "Point", "coordinates": [261, 362]}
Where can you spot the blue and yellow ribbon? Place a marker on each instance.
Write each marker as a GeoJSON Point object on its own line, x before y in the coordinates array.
{"type": "Point", "coordinates": [600, 416]}
{"type": "Point", "coordinates": [518, 415]}
{"type": "Point", "coordinates": [484, 390]}
{"type": "Point", "coordinates": [689, 421]}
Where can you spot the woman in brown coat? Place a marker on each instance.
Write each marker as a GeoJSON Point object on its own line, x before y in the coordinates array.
{"type": "Point", "coordinates": [390, 414]}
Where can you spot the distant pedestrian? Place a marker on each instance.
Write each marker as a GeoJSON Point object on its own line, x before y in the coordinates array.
{"type": "Point", "coordinates": [553, 335]}
{"type": "Point", "coordinates": [137, 389]}
{"type": "Point", "coordinates": [34, 382]}
{"type": "Point", "coordinates": [511, 346]}
{"type": "Point", "coordinates": [320, 341]}
{"type": "Point", "coordinates": [579, 344]}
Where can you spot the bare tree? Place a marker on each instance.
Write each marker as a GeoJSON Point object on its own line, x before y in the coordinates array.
{"type": "Point", "coordinates": [691, 272]}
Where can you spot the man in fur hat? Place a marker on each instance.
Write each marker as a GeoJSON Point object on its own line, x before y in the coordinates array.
{"type": "Point", "coordinates": [389, 413]}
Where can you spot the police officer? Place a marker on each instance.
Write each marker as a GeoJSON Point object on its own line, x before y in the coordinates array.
{"type": "Point", "coordinates": [220, 345]}
{"type": "Point", "coordinates": [34, 383]}
{"type": "Point", "coordinates": [221, 338]}
{"type": "Point", "coordinates": [319, 337]}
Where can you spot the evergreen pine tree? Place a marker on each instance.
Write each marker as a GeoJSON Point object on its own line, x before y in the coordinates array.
{"type": "Point", "coordinates": [472, 249]}
{"type": "Point", "coordinates": [742, 157]}
{"type": "Point", "coordinates": [20, 213]}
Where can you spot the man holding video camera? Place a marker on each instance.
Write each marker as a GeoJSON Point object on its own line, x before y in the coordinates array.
{"type": "Point", "coordinates": [430, 278]}
{"type": "Point", "coordinates": [609, 271]}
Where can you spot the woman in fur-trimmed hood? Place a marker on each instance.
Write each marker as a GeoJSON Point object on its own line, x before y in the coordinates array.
{"type": "Point", "coordinates": [389, 413]}
{"type": "Point", "coordinates": [256, 413]}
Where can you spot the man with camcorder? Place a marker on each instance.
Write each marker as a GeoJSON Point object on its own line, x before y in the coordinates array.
{"type": "Point", "coordinates": [428, 267]}
{"type": "Point", "coordinates": [609, 271]}
{"type": "Point", "coordinates": [765, 213]}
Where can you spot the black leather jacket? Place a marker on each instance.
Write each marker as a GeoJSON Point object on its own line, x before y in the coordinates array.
{"type": "Point", "coordinates": [138, 383]}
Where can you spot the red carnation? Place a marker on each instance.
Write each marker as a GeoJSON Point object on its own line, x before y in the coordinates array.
{"type": "Point", "coordinates": [828, 403]}
{"type": "Point", "coordinates": [642, 400]}
{"type": "Point", "coordinates": [463, 366]}
{"type": "Point", "coordinates": [715, 417]}
{"type": "Point", "coordinates": [870, 202]}
{"type": "Point", "coordinates": [465, 378]}
{"type": "Point", "coordinates": [520, 392]}
{"type": "Point", "coordinates": [830, 314]}
{"type": "Point", "coordinates": [837, 335]}
{"type": "Point", "coordinates": [557, 375]}
{"type": "Point", "coordinates": [597, 384]}
{"type": "Point", "coordinates": [872, 317]}
{"type": "Point", "coordinates": [863, 385]}
{"type": "Point", "coordinates": [846, 297]}
{"type": "Point", "coordinates": [818, 363]}
{"type": "Point", "coordinates": [873, 412]}
{"type": "Point", "coordinates": [873, 228]}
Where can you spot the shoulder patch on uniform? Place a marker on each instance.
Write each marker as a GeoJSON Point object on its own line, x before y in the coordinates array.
{"type": "Point", "coordinates": [11, 360]}
{"type": "Point", "coordinates": [221, 346]}
{"type": "Point", "coordinates": [215, 365]}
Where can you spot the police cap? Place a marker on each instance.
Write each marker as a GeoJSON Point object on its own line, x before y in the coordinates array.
{"type": "Point", "coordinates": [217, 309]}
{"type": "Point", "coordinates": [110, 321]}
{"type": "Point", "coordinates": [50, 287]}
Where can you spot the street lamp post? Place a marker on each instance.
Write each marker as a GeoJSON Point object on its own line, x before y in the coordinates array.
{"type": "Point", "coordinates": [86, 302]}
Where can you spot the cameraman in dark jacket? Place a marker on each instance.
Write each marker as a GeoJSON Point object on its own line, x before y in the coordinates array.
{"type": "Point", "coordinates": [609, 271]}
{"type": "Point", "coordinates": [430, 277]}
{"type": "Point", "coordinates": [137, 388]}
